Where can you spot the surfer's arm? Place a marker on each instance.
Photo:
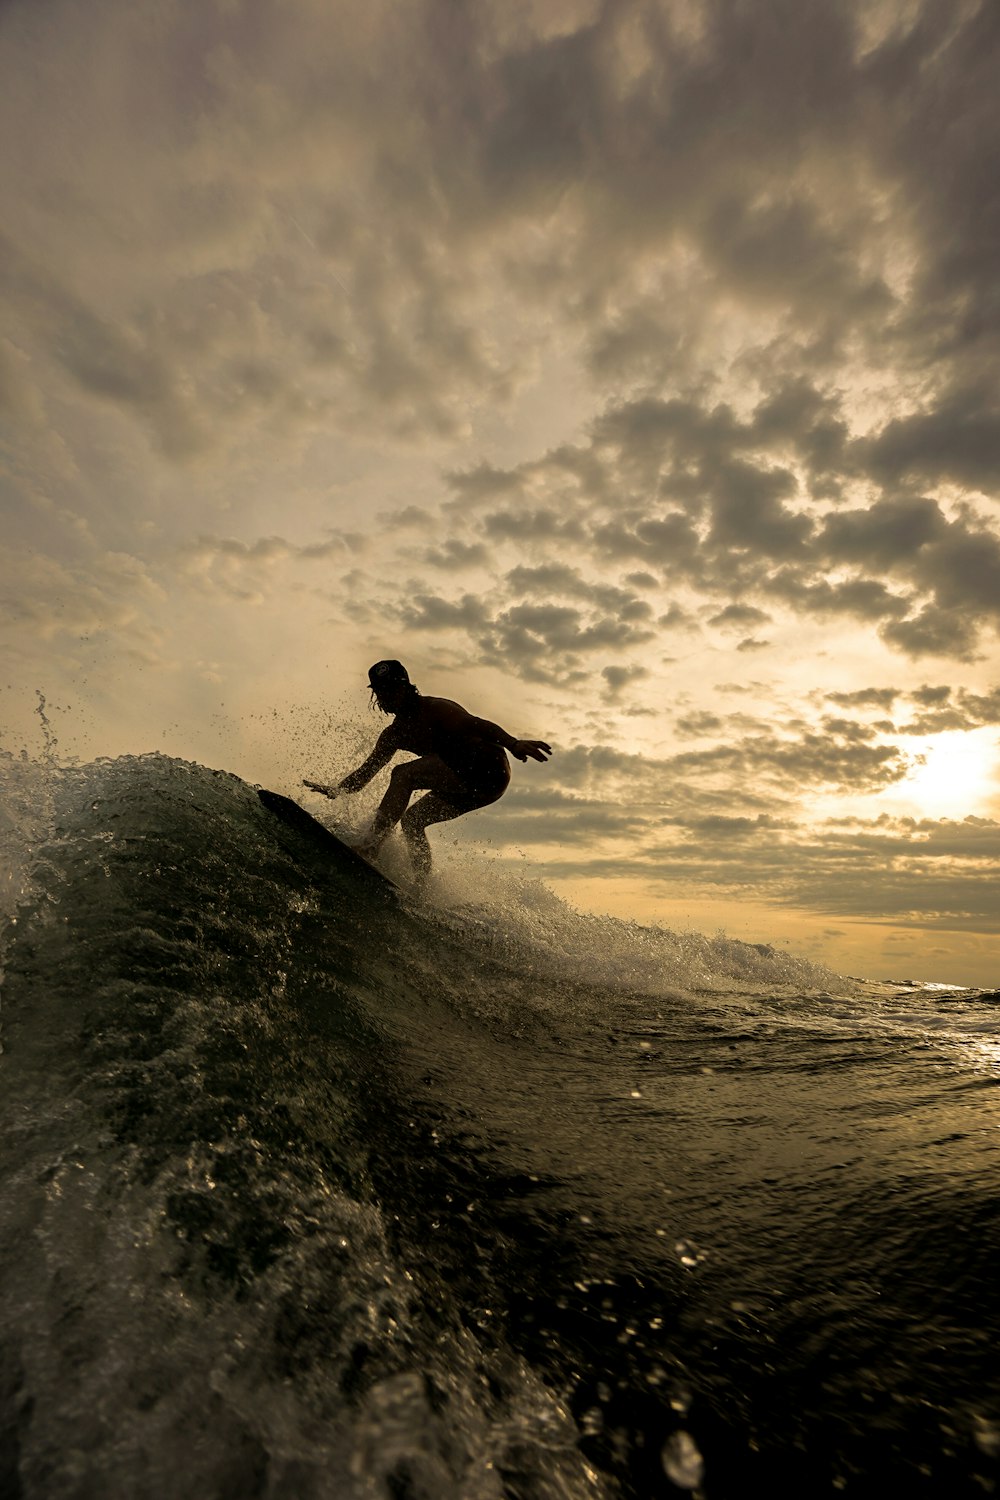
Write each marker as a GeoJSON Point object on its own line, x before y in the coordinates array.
{"type": "Point", "coordinates": [520, 749]}
{"type": "Point", "coordinates": [453, 720]}
{"type": "Point", "coordinates": [536, 749]}
{"type": "Point", "coordinates": [385, 749]}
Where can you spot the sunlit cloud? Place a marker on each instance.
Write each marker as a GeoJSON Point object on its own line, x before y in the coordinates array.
{"type": "Point", "coordinates": [629, 370]}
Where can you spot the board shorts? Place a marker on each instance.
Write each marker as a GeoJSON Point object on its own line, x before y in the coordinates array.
{"type": "Point", "coordinates": [485, 776]}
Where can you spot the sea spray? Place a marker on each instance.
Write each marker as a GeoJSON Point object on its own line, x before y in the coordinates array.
{"type": "Point", "coordinates": [314, 1189]}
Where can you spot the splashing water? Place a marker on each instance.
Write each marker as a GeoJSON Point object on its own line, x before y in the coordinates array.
{"type": "Point", "coordinates": [312, 1189]}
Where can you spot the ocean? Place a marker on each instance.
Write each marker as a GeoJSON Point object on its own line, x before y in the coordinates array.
{"type": "Point", "coordinates": [311, 1189]}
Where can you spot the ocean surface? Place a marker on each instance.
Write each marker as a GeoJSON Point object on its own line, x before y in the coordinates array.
{"type": "Point", "coordinates": [310, 1189]}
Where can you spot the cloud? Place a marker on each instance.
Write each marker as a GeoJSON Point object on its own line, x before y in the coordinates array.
{"type": "Point", "coordinates": [668, 539]}
{"type": "Point", "coordinates": [934, 632]}
{"type": "Point", "coordinates": [415, 221]}
{"type": "Point", "coordinates": [552, 580]}
{"type": "Point", "coordinates": [923, 874]}
{"type": "Point", "coordinates": [881, 698]}
{"type": "Point", "coordinates": [936, 707]}
{"type": "Point", "coordinates": [541, 524]}
{"type": "Point", "coordinates": [455, 555]}
{"type": "Point", "coordinates": [957, 440]}
{"type": "Point", "coordinates": [882, 535]}
{"type": "Point", "coordinates": [913, 872]}
{"type": "Point", "coordinates": [546, 641]}
{"type": "Point", "coordinates": [108, 593]}
{"type": "Point", "coordinates": [732, 529]}
{"type": "Point", "coordinates": [248, 571]}
{"type": "Point", "coordinates": [813, 759]}
{"type": "Point", "coordinates": [104, 360]}
{"type": "Point", "coordinates": [981, 708]}
{"type": "Point", "coordinates": [795, 416]}
{"type": "Point", "coordinates": [862, 599]}
{"type": "Point", "coordinates": [431, 612]}
{"type": "Point", "coordinates": [543, 623]}
{"type": "Point", "coordinates": [739, 616]}
{"type": "Point", "coordinates": [592, 331]}
{"type": "Point", "coordinates": [618, 678]}
{"type": "Point", "coordinates": [483, 484]}
{"type": "Point", "coordinates": [20, 398]}
{"type": "Point", "coordinates": [699, 724]}
{"type": "Point", "coordinates": [567, 169]}
{"type": "Point", "coordinates": [741, 769]}
{"type": "Point", "coordinates": [931, 696]}
{"type": "Point", "coordinates": [417, 517]}
{"type": "Point", "coordinates": [716, 826]}
{"type": "Point", "coordinates": [548, 579]}
{"type": "Point", "coordinates": [963, 570]}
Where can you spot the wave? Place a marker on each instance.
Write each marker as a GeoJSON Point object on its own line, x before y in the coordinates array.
{"type": "Point", "coordinates": [314, 1189]}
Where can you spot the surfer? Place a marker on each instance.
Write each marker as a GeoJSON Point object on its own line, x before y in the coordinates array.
{"type": "Point", "coordinates": [460, 763]}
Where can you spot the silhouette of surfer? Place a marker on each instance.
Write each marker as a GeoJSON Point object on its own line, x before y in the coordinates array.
{"type": "Point", "coordinates": [460, 763]}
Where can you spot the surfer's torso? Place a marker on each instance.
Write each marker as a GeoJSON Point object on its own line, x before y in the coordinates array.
{"type": "Point", "coordinates": [438, 726]}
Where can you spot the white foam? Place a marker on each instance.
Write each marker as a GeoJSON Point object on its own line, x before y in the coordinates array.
{"type": "Point", "coordinates": [519, 918]}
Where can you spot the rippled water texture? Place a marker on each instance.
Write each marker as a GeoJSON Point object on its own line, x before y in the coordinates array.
{"type": "Point", "coordinates": [312, 1191]}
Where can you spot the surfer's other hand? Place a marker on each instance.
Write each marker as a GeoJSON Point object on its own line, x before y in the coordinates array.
{"type": "Point", "coordinates": [318, 786]}
{"type": "Point", "coordinates": [537, 749]}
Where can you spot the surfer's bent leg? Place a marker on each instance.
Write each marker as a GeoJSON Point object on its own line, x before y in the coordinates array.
{"type": "Point", "coordinates": [393, 804]}
{"type": "Point", "coordinates": [430, 809]}
{"type": "Point", "coordinates": [449, 798]}
{"type": "Point", "coordinates": [430, 772]}
{"type": "Point", "coordinates": [444, 803]}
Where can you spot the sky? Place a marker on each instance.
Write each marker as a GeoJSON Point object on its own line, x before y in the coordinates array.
{"type": "Point", "coordinates": [629, 370]}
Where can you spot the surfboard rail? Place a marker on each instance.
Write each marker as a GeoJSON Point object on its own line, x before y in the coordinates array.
{"type": "Point", "coordinates": [294, 816]}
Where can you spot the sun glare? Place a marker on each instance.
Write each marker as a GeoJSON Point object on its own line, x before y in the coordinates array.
{"type": "Point", "coordinates": [955, 773]}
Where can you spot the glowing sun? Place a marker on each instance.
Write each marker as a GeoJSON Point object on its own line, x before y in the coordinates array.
{"type": "Point", "coordinates": [955, 773]}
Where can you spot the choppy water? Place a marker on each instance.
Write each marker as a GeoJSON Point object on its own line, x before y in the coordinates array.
{"type": "Point", "coordinates": [312, 1192]}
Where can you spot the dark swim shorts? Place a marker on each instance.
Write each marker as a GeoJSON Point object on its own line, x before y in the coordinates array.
{"type": "Point", "coordinates": [485, 775]}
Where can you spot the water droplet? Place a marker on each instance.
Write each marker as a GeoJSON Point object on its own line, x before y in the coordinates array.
{"type": "Point", "coordinates": [987, 1437]}
{"type": "Point", "coordinates": [682, 1463]}
{"type": "Point", "coordinates": [592, 1421]}
{"type": "Point", "coordinates": [688, 1253]}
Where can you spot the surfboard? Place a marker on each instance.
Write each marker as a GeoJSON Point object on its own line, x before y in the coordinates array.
{"type": "Point", "coordinates": [321, 838]}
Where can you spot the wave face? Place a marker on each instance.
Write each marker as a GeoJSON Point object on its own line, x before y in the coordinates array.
{"type": "Point", "coordinates": [310, 1191]}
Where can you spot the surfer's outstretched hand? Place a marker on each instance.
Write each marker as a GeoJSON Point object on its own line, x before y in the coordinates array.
{"type": "Point", "coordinates": [537, 749]}
{"type": "Point", "coordinates": [318, 786]}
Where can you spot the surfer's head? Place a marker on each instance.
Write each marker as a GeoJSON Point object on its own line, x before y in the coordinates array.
{"type": "Point", "coordinates": [390, 685]}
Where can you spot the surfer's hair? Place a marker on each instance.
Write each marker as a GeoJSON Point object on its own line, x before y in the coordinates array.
{"type": "Point", "coordinates": [386, 673]}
